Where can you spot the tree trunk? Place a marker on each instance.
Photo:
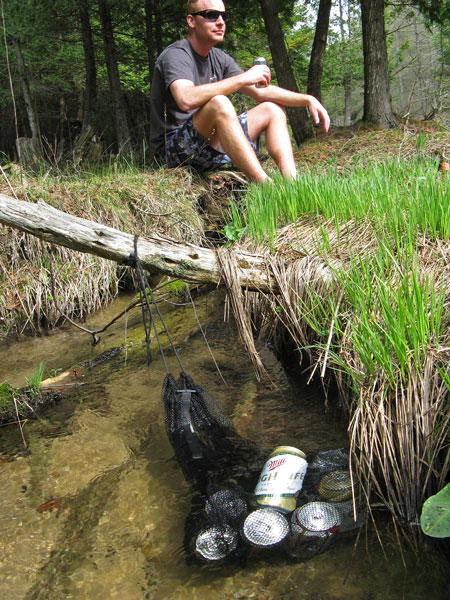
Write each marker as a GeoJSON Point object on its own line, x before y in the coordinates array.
{"type": "Point", "coordinates": [157, 254]}
{"type": "Point", "coordinates": [318, 49]}
{"type": "Point", "coordinates": [347, 80]}
{"type": "Point", "coordinates": [149, 32]}
{"type": "Point", "coordinates": [90, 97]}
{"type": "Point", "coordinates": [28, 149]}
{"type": "Point", "coordinates": [298, 117]}
{"type": "Point", "coordinates": [377, 97]}
{"type": "Point", "coordinates": [120, 118]}
{"type": "Point", "coordinates": [158, 28]}
{"type": "Point", "coordinates": [348, 101]}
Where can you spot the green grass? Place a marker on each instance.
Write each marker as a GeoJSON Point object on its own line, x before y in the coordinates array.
{"type": "Point", "coordinates": [33, 383]}
{"type": "Point", "coordinates": [397, 304]}
{"type": "Point", "coordinates": [400, 196]}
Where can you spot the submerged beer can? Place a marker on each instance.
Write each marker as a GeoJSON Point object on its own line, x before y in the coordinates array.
{"type": "Point", "coordinates": [312, 529]}
{"type": "Point", "coordinates": [315, 519]}
{"type": "Point", "coordinates": [265, 527]}
{"type": "Point", "coordinates": [281, 479]}
{"type": "Point", "coordinates": [336, 486]}
{"type": "Point", "coordinates": [214, 543]}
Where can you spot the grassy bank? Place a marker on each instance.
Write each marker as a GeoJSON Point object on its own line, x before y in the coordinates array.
{"type": "Point", "coordinates": [39, 282]}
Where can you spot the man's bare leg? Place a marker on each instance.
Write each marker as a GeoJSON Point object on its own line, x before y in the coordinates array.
{"type": "Point", "coordinates": [217, 122]}
{"type": "Point", "coordinates": [271, 118]}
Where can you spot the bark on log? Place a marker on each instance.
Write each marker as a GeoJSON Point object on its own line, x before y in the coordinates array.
{"type": "Point", "coordinates": [157, 254]}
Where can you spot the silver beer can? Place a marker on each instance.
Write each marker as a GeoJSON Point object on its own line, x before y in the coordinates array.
{"type": "Point", "coordinates": [315, 519]}
{"type": "Point", "coordinates": [259, 61]}
{"type": "Point", "coordinates": [281, 479]}
{"type": "Point", "coordinates": [265, 527]}
{"type": "Point", "coordinates": [312, 529]}
{"type": "Point", "coordinates": [215, 543]}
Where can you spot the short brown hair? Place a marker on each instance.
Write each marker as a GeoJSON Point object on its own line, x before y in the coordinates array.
{"type": "Point", "coordinates": [191, 6]}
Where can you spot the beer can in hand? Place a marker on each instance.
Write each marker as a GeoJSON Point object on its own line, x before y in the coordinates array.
{"type": "Point", "coordinates": [259, 61]}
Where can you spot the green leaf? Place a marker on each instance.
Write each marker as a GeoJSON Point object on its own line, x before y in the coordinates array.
{"type": "Point", "coordinates": [435, 518]}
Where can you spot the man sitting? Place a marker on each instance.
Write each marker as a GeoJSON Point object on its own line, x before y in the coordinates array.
{"type": "Point", "coordinates": [193, 122]}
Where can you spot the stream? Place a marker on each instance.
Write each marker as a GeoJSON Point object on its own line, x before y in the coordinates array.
{"type": "Point", "coordinates": [93, 508]}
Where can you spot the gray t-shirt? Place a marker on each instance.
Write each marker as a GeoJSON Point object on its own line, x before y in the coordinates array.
{"type": "Point", "coordinates": [180, 61]}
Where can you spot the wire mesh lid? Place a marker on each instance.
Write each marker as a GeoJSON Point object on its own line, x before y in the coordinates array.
{"type": "Point", "coordinates": [329, 459]}
{"type": "Point", "coordinates": [265, 527]}
{"type": "Point", "coordinates": [336, 486]}
{"type": "Point", "coordinates": [316, 516]}
{"type": "Point", "coordinates": [214, 543]}
{"type": "Point", "coordinates": [226, 503]}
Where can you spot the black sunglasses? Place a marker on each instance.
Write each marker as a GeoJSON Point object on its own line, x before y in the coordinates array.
{"type": "Point", "coordinates": [210, 15]}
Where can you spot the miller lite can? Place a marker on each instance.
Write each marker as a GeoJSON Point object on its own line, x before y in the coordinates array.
{"type": "Point", "coordinates": [281, 479]}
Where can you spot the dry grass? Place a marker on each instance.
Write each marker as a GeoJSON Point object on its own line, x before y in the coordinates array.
{"type": "Point", "coordinates": [361, 143]}
{"type": "Point", "coordinates": [136, 202]}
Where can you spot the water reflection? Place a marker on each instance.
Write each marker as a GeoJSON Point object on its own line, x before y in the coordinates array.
{"type": "Point", "coordinates": [116, 526]}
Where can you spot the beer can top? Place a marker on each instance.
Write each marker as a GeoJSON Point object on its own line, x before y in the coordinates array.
{"type": "Point", "coordinates": [336, 486]}
{"type": "Point", "coordinates": [316, 516]}
{"type": "Point", "coordinates": [214, 543]}
{"type": "Point", "coordinates": [288, 450]}
{"type": "Point", "coordinates": [259, 61]}
{"type": "Point", "coordinates": [265, 527]}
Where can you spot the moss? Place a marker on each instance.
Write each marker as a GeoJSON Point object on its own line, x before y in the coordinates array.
{"type": "Point", "coordinates": [176, 288]}
{"type": "Point", "coordinates": [6, 396]}
{"type": "Point", "coordinates": [24, 402]}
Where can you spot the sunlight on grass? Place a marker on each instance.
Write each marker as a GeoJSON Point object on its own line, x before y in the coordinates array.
{"type": "Point", "coordinates": [402, 195]}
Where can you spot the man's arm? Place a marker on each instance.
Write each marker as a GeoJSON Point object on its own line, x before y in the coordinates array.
{"type": "Point", "coordinates": [189, 96]}
{"type": "Point", "coordinates": [273, 93]}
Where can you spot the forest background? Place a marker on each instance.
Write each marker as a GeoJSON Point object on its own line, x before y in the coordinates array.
{"type": "Point", "coordinates": [75, 76]}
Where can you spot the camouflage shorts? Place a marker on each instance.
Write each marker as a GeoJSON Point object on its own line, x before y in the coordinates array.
{"type": "Point", "coordinates": [186, 147]}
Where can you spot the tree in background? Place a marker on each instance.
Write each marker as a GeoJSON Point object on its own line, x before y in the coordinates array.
{"type": "Point", "coordinates": [118, 104]}
{"type": "Point", "coordinates": [318, 49]}
{"type": "Point", "coordinates": [377, 95]}
{"type": "Point", "coordinates": [31, 31]}
{"type": "Point", "coordinates": [300, 123]}
{"type": "Point", "coordinates": [90, 93]}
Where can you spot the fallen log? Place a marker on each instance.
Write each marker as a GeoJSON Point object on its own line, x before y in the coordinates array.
{"type": "Point", "coordinates": [157, 254]}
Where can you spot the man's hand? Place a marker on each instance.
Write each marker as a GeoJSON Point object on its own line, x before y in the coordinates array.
{"type": "Point", "coordinates": [258, 75]}
{"type": "Point", "coordinates": [318, 113]}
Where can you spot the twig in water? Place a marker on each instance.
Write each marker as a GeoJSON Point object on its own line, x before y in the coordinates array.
{"type": "Point", "coordinates": [19, 421]}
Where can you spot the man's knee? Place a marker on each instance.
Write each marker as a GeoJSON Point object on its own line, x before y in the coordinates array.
{"type": "Point", "coordinates": [221, 105]}
{"type": "Point", "coordinates": [263, 116]}
{"type": "Point", "coordinates": [274, 110]}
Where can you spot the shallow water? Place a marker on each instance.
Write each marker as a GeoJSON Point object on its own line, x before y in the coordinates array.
{"type": "Point", "coordinates": [120, 500]}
